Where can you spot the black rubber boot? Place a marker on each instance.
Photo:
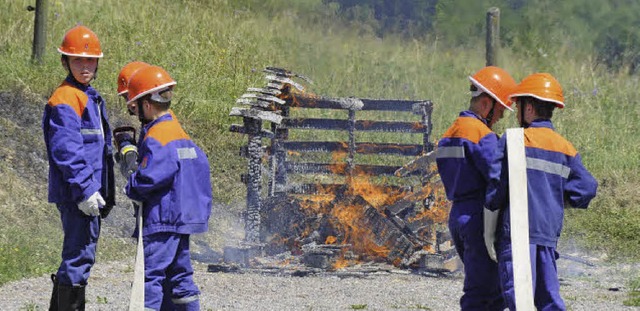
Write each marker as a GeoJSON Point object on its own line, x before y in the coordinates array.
{"type": "Point", "coordinates": [53, 304]}
{"type": "Point", "coordinates": [71, 298]}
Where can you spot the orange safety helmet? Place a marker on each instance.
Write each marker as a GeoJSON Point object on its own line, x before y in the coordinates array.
{"type": "Point", "coordinates": [149, 80]}
{"type": "Point", "coordinates": [125, 74]}
{"type": "Point", "coordinates": [542, 86]}
{"type": "Point", "coordinates": [496, 82]}
{"type": "Point", "coordinates": [81, 41]}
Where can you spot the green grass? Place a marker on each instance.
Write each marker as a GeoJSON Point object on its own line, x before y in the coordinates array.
{"type": "Point", "coordinates": [216, 49]}
{"type": "Point", "coordinates": [634, 294]}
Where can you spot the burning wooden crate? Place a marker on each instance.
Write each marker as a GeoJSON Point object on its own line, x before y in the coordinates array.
{"type": "Point", "coordinates": [322, 187]}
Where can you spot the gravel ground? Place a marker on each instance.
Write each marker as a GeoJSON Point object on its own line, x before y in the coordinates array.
{"type": "Point", "coordinates": [584, 287]}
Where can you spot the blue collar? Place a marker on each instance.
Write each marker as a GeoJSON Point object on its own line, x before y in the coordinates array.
{"type": "Point", "coordinates": [71, 80]}
{"type": "Point", "coordinates": [166, 117]}
{"type": "Point", "coordinates": [542, 123]}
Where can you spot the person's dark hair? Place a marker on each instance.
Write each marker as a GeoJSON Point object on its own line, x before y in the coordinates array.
{"type": "Point", "coordinates": [160, 105]}
{"type": "Point", "coordinates": [543, 109]}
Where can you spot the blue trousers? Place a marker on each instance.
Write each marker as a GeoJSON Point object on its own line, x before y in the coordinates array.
{"type": "Point", "coordinates": [168, 271]}
{"type": "Point", "coordinates": [81, 233]}
{"type": "Point", "coordinates": [544, 275]}
{"type": "Point", "coordinates": [481, 289]}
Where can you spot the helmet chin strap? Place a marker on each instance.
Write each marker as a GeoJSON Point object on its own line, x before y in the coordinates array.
{"type": "Point", "coordinates": [143, 121]}
{"type": "Point", "coordinates": [523, 123]}
{"type": "Point", "coordinates": [489, 116]}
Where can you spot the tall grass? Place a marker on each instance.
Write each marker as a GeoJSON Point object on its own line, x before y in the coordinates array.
{"type": "Point", "coordinates": [215, 50]}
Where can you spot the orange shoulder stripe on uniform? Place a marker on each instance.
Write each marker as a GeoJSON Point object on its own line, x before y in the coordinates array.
{"type": "Point", "coordinates": [468, 128]}
{"type": "Point", "coordinates": [547, 139]}
{"type": "Point", "coordinates": [69, 95]}
{"type": "Point", "coordinates": [166, 132]}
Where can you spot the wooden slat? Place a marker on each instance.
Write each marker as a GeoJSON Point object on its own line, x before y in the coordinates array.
{"type": "Point", "coordinates": [361, 148]}
{"type": "Point", "coordinates": [338, 169]}
{"type": "Point", "coordinates": [256, 114]}
{"type": "Point", "coordinates": [302, 101]}
{"type": "Point", "coordinates": [335, 188]}
{"type": "Point", "coordinates": [237, 128]}
{"type": "Point", "coordinates": [361, 125]}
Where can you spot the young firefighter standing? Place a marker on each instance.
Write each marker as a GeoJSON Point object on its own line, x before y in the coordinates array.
{"type": "Point", "coordinates": [78, 140]}
{"type": "Point", "coordinates": [463, 157]}
{"type": "Point", "coordinates": [127, 168]}
{"type": "Point", "coordinates": [172, 183]}
{"type": "Point", "coordinates": [555, 175]}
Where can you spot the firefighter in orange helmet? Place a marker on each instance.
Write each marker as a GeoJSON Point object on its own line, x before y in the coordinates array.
{"type": "Point", "coordinates": [173, 185]}
{"type": "Point", "coordinates": [78, 140]}
{"type": "Point", "coordinates": [463, 158]}
{"type": "Point", "coordinates": [123, 82]}
{"type": "Point", "coordinates": [555, 176]}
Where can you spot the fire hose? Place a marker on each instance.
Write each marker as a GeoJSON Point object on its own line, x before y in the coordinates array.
{"type": "Point", "coordinates": [127, 157]}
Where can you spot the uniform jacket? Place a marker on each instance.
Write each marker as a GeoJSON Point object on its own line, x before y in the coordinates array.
{"type": "Point", "coordinates": [78, 140]}
{"type": "Point", "coordinates": [555, 175]}
{"type": "Point", "coordinates": [464, 157]}
{"type": "Point", "coordinates": [172, 180]}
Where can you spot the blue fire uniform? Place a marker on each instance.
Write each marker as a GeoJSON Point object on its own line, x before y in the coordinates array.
{"type": "Point", "coordinates": [464, 156]}
{"type": "Point", "coordinates": [78, 140]}
{"type": "Point", "coordinates": [555, 175]}
{"type": "Point", "coordinates": [173, 184]}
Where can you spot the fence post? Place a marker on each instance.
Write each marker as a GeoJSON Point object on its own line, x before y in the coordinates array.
{"type": "Point", "coordinates": [39, 31]}
{"type": "Point", "coordinates": [493, 36]}
{"type": "Point", "coordinates": [253, 181]}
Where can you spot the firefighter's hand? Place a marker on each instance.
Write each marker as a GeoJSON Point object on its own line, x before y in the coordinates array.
{"type": "Point", "coordinates": [490, 224]}
{"type": "Point", "coordinates": [91, 206]}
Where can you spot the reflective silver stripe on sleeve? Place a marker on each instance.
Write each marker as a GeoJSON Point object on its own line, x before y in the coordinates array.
{"type": "Point", "coordinates": [187, 153]}
{"type": "Point", "coordinates": [450, 152]}
{"type": "Point", "coordinates": [548, 167]}
{"type": "Point", "coordinates": [185, 300]}
{"type": "Point", "coordinates": [91, 131]}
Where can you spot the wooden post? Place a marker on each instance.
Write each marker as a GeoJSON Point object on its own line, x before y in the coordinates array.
{"type": "Point", "coordinates": [493, 36]}
{"type": "Point", "coordinates": [254, 203]}
{"type": "Point", "coordinates": [39, 31]}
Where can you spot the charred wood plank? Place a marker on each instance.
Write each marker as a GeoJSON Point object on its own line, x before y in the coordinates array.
{"type": "Point", "coordinates": [338, 169]}
{"type": "Point", "coordinates": [303, 101]}
{"type": "Point", "coordinates": [284, 80]}
{"type": "Point", "coordinates": [333, 188]}
{"type": "Point", "coordinates": [361, 148]}
{"type": "Point", "coordinates": [419, 163]}
{"type": "Point", "coordinates": [237, 128]}
{"type": "Point", "coordinates": [257, 103]}
{"type": "Point", "coordinates": [286, 73]}
{"type": "Point", "coordinates": [263, 97]}
{"type": "Point", "coordinates": [256, 114]}
{"type": "Point", "coordinates": [266, 91]}
{"type": "Point", "coordinates": [360, 125]}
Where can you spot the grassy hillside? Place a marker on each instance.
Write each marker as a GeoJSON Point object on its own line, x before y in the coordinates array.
{"type": "Point", "coordinates": [215, 50]}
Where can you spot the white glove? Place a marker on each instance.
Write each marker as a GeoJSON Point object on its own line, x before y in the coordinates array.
{"type": "Point", "coordinates": [91, 206]}
{"type": "Point", "coordinates": [490, 225]}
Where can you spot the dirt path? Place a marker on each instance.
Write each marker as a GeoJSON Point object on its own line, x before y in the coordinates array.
{"type": "Point", "coordinates": [584, 287]}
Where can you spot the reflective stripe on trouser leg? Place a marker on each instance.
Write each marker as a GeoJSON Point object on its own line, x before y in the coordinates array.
{"type": "Point", "coordinates": [81, 233]}
{"type": "Point", "coordinates": [191, 303]}
{"type": "Point", "coordinates": [167, 262]}
{"type": "Point", "coordinates": [543, 270]}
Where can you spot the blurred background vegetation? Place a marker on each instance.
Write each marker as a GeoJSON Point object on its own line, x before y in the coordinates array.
{"type": "Point", "coordinates": [412, 49]}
